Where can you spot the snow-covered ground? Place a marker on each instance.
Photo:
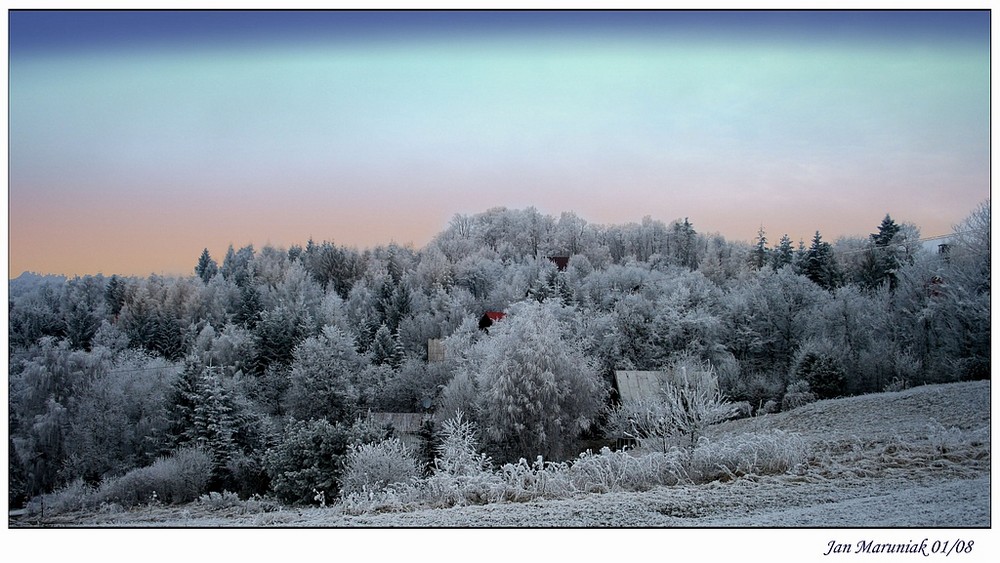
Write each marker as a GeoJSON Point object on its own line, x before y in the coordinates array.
{"type": "Point", "coordinates": [918, 458]}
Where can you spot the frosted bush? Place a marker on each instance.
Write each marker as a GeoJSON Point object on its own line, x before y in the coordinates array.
{"type": "Point", "coordinates": [953, 441]}
{"type": "Point", "coordinates": [396, 497]}
{"type": "Point", "coordinates": [217, 500]}
{"type": "Point", "coordinates": [461, 474]}
{"type": "Point", "coordinates": [897, 384]}
{"type": "Point", "coordinates": [458, 452]}
{"type": "Point", "coordinates": [522, 481]}
{"type": "Point", "coordinates": [796, 395]}
{"type": "Point", "coordinates": [684, 406]}
{"type": "Point", "coordinates": [76, 495]}
{"type": "Point", "coordinates": [763, 453]}
{"type": "Point", "coordinates": [375, 466]}
{"type": "Point", "coordinates": [613, 471]}
{"type": "Point", "coordinates": [181, 477]}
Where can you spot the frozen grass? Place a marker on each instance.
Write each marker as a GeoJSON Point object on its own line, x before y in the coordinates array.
{"type": "Point", "coordinates": [913, 458]}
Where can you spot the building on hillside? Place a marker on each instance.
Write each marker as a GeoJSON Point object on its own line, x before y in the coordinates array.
{"type": "Point", "coordinates": [561, 262]}
{"type": "Point", "coordinates": [405, 425]}
{"type": "Point", "coordinates": [634, 385]}
{"type": "Point", "coordinates": [488, 318]}
{"type": "Point", "coordinates": [435, 350]}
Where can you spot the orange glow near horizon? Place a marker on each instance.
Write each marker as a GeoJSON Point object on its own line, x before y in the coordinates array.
{"type": "Point", "coordinates": [138, 139]}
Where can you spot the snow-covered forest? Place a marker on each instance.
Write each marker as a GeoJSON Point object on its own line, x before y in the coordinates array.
{"type": "Point", "coordinates": [263, 374]}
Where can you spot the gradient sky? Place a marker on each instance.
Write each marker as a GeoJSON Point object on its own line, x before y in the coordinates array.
{"type": "Point", "coordinates": [136, 139]}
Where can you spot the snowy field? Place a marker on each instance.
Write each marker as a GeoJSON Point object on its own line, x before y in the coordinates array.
{"type": "Point", "coordinates": [914, 458]}
{"type": "Point", "coordinates": [895, 468]}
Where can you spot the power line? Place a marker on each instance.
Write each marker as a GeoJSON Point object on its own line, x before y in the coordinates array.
{"type": "Point", "coordinates": [924, 239]}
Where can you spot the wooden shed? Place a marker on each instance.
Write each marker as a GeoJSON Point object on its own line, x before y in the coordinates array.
{"type": "Point", "coordinates": [406, 425]}
{"type": "Point", "coordinates": [435, 350]}
{"type": "Point", "coordinates": [636, 385]}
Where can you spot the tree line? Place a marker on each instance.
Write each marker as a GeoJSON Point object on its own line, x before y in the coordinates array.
{"type": "Point", "coordinates": [270, 359]}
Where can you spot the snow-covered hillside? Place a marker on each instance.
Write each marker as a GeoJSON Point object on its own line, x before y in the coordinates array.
{"type": "Point", "coordinates": [913, 458]}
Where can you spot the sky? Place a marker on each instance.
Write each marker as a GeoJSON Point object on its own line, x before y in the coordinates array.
{"type": "Point", "coordinates": [137, 139]}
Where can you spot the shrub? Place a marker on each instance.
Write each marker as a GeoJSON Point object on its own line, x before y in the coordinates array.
{"type": "Point", "coordinates": [685, 406]}
{"type": "Point", "coordinates": [307, 464]}
{"type": "Point", "coordinates": [247, 474]}
{"type": "Point", "coordinates": [216, 500]}
{"type": "Point", "coordinates": [896, 384]}
{"type": "Point", "coordinates": [180, 477]}
{"type": "Point", "coordinates": [375, 466]}
{"type": "Point", "coordinates": [796, 395]}
{"type": "Point", "coordinates": [76, 495]}
{"type": "Point", "coordinates": [522, 481]}
{"type": "Point", "coordinates": [461, 474]}
{"type": "Point", "coordinates": [393, 498]}
{"type": "Point", "coordinates": [755, 387]}
{"type": "Point", "coordinates": [819, 363]}
{"type": "Point", "coordinates": [612, 471]}
{"type": "Point", "coordinates": [747, 454]}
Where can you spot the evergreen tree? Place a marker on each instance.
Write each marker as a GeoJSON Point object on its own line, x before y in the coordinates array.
{"type": "Point", "coordinates": [783, 254]}
{"type": "Point", "coordinates": [685, 244]}
{"type": "Point", "coordinates": [820, 265]}
{"type": "Point", "coordinates": [114, 295]}
{"type": "Point", "coordinates": [759, 256]}
{"type": "Point", "coordinates": [237, 266]}
{"type": "Point", "coordinates": [277, 332]}
{"type": "Point", "coordinates": [386, 349]}
{"type": "Point", "coordinates": [203, 413]}
{"type": "Point", "coordinates": [887, 230]}
{"type": "Point", "coordinates": [83, 308]}
{"type": "Point", "coordinates": [881, 260]}
{"type": "Point", "coordinates": [207, 267]}
{"type": "Point", "coordinates": [323, 377]}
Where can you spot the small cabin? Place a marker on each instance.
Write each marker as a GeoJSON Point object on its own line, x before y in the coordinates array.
{"type": "Point", "coordinates": [435, 350]}
{"type": "Point", "coordinates": [488, 318]}
{"type": "Point", "coordinates": [635, 386]}
{"type": "Point", "coordinates": [405, 425]}
{"type": "Point", "coordinates": [561, 262]}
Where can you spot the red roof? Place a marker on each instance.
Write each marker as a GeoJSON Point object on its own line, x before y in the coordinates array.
{"type": "Point", "coordinates": [495, 315]}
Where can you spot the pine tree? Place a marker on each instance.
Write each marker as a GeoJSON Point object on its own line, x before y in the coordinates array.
{"type": "Point", "coordinates": [783, 254]}
{"type": "Point", "coordinates": [322, 379]}
{"type": "Point", "coordinates": [759, 256]}
{"type": "Point", "coordinates": [686, 252]}
{"type": "Point", "coordinates": [114, 295]}
{"type": "Point", "coordinates": [820, 265]}
{"type": "Point", "coordinates": [886, 231]}
{"type": "Point", "coordinates": [207, 267]}
{"type": "Point", "coordinates": [386, 348]}
{"type": "Point", "coordinates": [881, 260]}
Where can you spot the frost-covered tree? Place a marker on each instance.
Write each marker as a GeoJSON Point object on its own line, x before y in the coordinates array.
{"type": "Point", "coordinates": [884, 255]}
{"type": "Point", "coordinates": [783, 253]}
{"type": "Point", "coordinates": [537, 390]}
{"type": "Point", "coordinates": [820, 264]}
{"type": "Point", "coordinates": [207, 267]}
{"type": "Point", "coordinates": [44, 396]}
{"type": "Point", "coordinates": [278, 332]}
{"type": "Point", "coordinates": [237, 266]}
{"type": "Point", "coordinates": [324, 376]}
{"type": "Point", "coordinates": [83, 309]}
{"type": "Point", "coordinates": [306, 463]}
{"type": "Point", "coordinates": [119, 420]}
{"type": "Point", "coordinates": [759, 256]}
{"type": "Point", "coordinates": [386, 349]}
